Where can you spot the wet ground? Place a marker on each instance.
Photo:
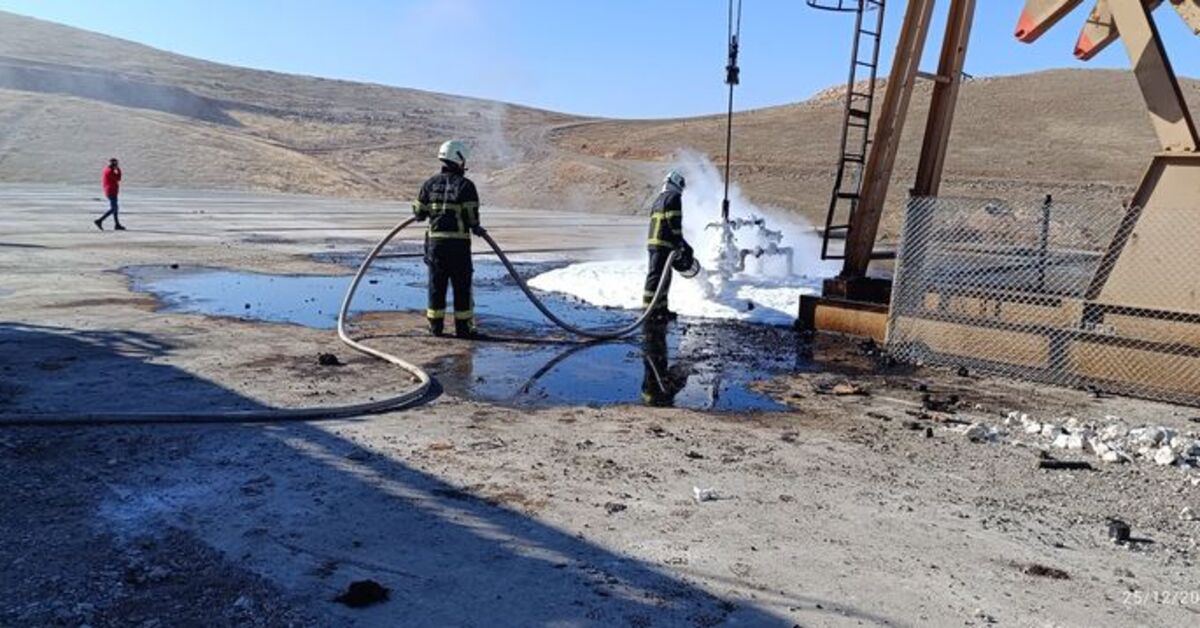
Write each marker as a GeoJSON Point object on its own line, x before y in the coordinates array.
{"type": "Point", "coordinates": [700, 365]}
{"type": "Point", "coordinates": [394, 285]}
{"type": "Point", "coordinates": [851, 510]}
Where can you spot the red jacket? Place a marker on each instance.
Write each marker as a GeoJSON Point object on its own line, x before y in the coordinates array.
{"type": "Point", "coordinates": [111, 180]}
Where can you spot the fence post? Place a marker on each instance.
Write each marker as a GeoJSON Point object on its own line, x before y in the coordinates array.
{"type": "Point", "coordinates": [1044, 243]}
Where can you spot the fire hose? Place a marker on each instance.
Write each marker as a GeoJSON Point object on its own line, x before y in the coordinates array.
{"type": "Point", "coordinates": [612, 334]}
{"type": "Point", "coordinates": [415, 395]}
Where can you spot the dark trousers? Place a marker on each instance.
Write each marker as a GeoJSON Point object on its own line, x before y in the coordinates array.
{"type": "Point", "coordinates": [658, 265]}
{"type": "Point", "coordinates": [660, 382]}
{"type": "Point", "coordinates": [656, 386]}
{"type": "Point", "coordinates": [113, 208]}
{"type": "Point", "coordinates": [450, 266]}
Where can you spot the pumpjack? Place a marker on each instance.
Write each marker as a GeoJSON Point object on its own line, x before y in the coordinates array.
{"type": "Point", "coordinates": [855, 302]}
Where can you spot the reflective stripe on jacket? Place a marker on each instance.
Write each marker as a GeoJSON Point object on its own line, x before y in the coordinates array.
{"type": "Point", "coordinates": [666, 221]}
{"type": "Point", "coordinates": [450, 202]}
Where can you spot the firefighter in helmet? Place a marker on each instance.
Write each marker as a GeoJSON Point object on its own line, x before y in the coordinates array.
{"type": "Point", "coordinates": [666, 236]}
{"type": "Point", "coordinates": [450, 203]}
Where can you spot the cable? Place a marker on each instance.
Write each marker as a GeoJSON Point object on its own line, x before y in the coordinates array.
{"type": "Point", "coordinates": [732, 78]}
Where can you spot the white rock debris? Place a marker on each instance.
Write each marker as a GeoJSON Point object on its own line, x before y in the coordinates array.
{"type": "Point", "coordinates": [1109, 439]}
{"type": "Point", "coordinates": [1165, 456]}
{"type": "Point", "coordinates": [704, 494]}
{"type": "Point", "coordinates": [981, 432]}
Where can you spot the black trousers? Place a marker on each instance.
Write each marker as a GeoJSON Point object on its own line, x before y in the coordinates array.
{"type": "Point", "coordinates": [450, 266]}
{"type": "Point", "coordinates": [658, 265]}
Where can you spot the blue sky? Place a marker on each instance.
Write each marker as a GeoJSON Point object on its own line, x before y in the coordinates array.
{"type": "Point", "coordinates": [620, 58]}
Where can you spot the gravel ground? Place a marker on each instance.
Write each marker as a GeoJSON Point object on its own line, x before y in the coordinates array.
{"type": "Point", "coordinates": [849, 509]}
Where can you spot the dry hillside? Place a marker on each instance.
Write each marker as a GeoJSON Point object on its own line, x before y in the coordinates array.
{"type": "Point", "coordinates": [70, 98]}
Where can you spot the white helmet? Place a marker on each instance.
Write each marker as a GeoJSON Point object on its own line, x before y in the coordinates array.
{"type": "Point", "coordinates": [675, 179]}
{"type": "Point", "coordinates": [454, 151]}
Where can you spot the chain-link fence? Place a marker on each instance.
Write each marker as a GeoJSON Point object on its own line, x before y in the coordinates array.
{"type": "Point", "coordinates": [1074, 295]}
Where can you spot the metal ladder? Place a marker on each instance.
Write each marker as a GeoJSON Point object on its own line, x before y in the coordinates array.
{"type": "Point", "coordinates": [856, 117]}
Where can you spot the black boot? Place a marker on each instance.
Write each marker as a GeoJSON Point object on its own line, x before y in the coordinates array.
{"type": "Point", "coordinates": [464, 329]}
{"type": "Point", "coordinates": [437, 326]}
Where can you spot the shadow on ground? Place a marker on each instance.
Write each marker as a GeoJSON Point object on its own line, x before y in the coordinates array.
{"type": "Point", "coordinates": [272, 521]}
{"type": "Point", "coordinates": [57, 370]}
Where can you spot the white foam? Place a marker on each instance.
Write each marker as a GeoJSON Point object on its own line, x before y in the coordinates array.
{"type": "Point", "coordinates": [618, 284]}
{"type": "Point", "coordinates": [764, 293]}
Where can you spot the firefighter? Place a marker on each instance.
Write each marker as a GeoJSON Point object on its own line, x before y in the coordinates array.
{"type": "Point", "coordinates": [449, 201]}
{"type": "Point", "coordinates": [666, 235]}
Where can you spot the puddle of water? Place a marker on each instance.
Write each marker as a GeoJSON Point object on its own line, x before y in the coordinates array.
{"type": "Point", "coordinates": [313, 300]}
{"type": "Point", "coordinates": [707, 366]}
{"type": "Point", "coordinates": [701, 367]}
{"type": "Point", "coordinates": [5, 292]}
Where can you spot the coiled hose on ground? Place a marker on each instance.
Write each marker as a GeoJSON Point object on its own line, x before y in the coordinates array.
{"type": "Point", "coordinates": [406, 399]}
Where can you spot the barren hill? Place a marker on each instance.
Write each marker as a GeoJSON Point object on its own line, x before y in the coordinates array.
{"type": "Point", "coordinates": [70, 98]}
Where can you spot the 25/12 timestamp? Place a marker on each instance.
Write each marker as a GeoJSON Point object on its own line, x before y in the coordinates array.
{"type": "Point", "coordinates": [1176, 598]}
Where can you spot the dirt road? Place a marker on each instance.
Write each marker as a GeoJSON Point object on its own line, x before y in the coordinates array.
{"type": "Point", "coordinates": [844, 510]}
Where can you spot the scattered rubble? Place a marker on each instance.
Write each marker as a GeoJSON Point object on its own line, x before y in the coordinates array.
{"type": "Point", "coordinates": [1165, 456]}
{"type": "Point", "coordinates": [363, 593]}
{"type": "Point", "coordinates": [1042, 571]}
{"type": "Point", "coordinates": [933, 404]}
{"type": "Point", "coordinates": [984, 616]}
{"type": "Point", "coordinates": [1110, 440]}
{"type": "Point", "coordinates": [657, 431]}
{"type": "Point", "coordinates": [979, 433]}
{"type": "Point", "coordinates": [613, 508]}
{"type": "Point", "coordinates": [1118, 531]}
{"type": "Point", "coordinates": [1068, 465]}
{"type": "Point", "coordinates": [846, 389]}
{"type": "Point", "coordinates": [328, 359]}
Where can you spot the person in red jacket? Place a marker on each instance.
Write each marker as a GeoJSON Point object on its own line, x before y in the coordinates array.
{"type": "Point", "coordinates": [110, 179]}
